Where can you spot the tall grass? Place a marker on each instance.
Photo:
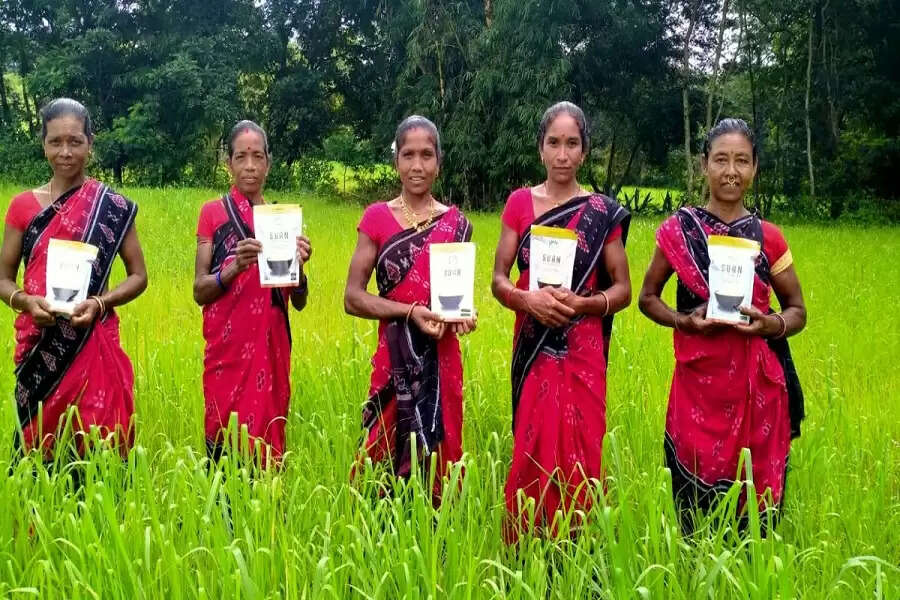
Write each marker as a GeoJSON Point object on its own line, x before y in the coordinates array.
{"type": "Point", "coordinates": [163, 525]}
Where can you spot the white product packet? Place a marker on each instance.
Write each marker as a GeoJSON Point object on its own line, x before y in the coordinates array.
{"type": "Point", "coordinates": [69, 267]}
{"type": "Point", "coordinates": [552, 257]}
{"type": "Point", "coordinates": [277, 227]}
{"type": "Point", "coordinates": [732, 264]}
{"type": "Point", "coordinates": [452, 275]}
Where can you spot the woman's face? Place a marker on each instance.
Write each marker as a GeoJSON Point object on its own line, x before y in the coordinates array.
{"type": "Point", "coordinates": [730, 167]}
{"type": "Point", "coordinates": [562, 151]}
{"type": "Point", "coordinates": [66, 146]}
{"type": "Point", "coordinates": [249, 163]}
{"type": "Point", "coordinates": [417, 162]}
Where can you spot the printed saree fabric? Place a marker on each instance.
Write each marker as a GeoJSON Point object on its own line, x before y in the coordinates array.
{"type": "Point", "coordinates": [559, 380]}
{"type": "Point", "coordinates": [416, 384]}
{"type": "Point", "coordinates": [246, 366]}
{"type": "Point", "coordinates": [729, 390]}
{"type": "Point", "coordinates": [62, 366]}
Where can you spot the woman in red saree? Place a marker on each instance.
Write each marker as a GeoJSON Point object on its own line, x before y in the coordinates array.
{"type": "Point", "coordinates": [77, 361]}
{"type": "Point", "coordinates": [561, 338]}
{"type": "Point", "coordinates": [247, 363]}
{"type": "Point", "coordinates": [734, 386]}
{"type": "Point", "coordinates": [416, 384]}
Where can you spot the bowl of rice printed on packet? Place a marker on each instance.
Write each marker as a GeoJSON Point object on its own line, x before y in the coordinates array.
{"type": "Point", "coordinates": [277, 227]}
{"type": "Point", "coordinates": [551, 257]}
{"type": "Point", "coordinates": [69, 267]}
{"type": "Point", "coordinates": [452, 278]}
{"type": "Point", "coordinates": [732, 266]}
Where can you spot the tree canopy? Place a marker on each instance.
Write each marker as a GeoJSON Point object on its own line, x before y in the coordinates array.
{"type": "Point", "coordinates": [165, 79]}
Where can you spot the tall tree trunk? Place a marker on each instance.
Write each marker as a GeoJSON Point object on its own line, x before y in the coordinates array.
{"type": "Point", "coordinates": [607, 185]}
{"type": "Point", "coordinates": [5, 117]}
{"type": "Point", "coordinates": [686, 101]}
{"type": "Point", "coordinates": [714, 81]}
{"type": "Point", "coordinates": [809, 157]}
{"type": "Point", "coordinates": [631, 156]}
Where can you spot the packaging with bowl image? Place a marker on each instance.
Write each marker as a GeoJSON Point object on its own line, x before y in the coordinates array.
{"type": "Point", "coordinates": [452, 276]}
{"type": "Point", "coordinates": [69, 267]}
{"type": "Point", "coordinates": [732, 266]}
{"type": "Point", "coordinates": [552, 257]}
{"type": "Point", "coordinates": [277, 227]}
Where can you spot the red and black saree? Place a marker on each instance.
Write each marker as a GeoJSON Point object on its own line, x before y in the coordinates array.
{"type": "Point", "coordinates": [247, 362]}
{"type": "Point", "coordinates": [559, 379]}
{"type": "Point", "coordinates": [61, 366]}
{"type": "Point", "coordinates": [416, 385]}
{"type": "Point", "coordinates": [729, 391]}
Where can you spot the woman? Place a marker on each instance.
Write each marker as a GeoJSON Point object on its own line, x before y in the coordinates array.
{"type": "Point", "coordinates": [77, 361]}
{"type": "Point", "coordinates": [730, 389]}
{"type": "Point", "coordinates": [416, 384]}
{"type": "Point", "coordinates": [246, 367]}
{"type": "Point", "coordinates": [561, 338]}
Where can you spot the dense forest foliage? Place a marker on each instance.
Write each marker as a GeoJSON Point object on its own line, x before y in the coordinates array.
{"type": "Point", "coordinates": [819, 80]}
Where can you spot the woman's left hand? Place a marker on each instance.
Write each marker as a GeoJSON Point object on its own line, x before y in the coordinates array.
{"type": "Point", "coordinates": [465, 327]}
{"type": "Point", "coordinates": [569, 298]}
{"type": "Point", "coordinates": [760, 323]}
{"type": "Point", "coordinates": [85, 313]}
{"type": "Point", "coordinates": [304, 249]}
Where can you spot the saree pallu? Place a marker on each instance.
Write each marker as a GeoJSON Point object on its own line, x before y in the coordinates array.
{"type": "Point", "coordinates": [416, 384]}
{"type": "Point", "coordinates": [559, 380]}
{"type": "Point", "coordinates": [729, 390]}
{"type": "Point", "coordinates": [247, 362]}
{"type": "Point", "coordinates": [60, 366]}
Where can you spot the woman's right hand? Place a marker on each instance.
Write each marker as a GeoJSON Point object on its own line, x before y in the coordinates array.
{"type": "Point", "coordinates": [245, 254]}
{"type": "Point", "coordinates": [697, 323]}
{"type": "Point", "coordinates": [39, 309]}
{"type": "Point", "coordinates": [543, 306]}
{"type": "Point", "coordinates": [428, 322]}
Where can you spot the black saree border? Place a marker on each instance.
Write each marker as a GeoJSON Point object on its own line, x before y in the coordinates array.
{"type": "Point", "coordinates": [42, 370]}
{"type": "Point", "coordinates": [594, 225]}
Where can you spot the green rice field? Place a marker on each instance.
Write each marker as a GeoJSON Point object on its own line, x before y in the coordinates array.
{"type": "Point", "coordinates": [161, 526]}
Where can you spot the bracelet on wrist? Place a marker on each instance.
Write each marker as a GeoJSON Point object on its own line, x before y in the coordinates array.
{"type": "Point", "coordinates": [411, 309]}
{"type": "Point", "coordinates": [783, 330]}
{"type": "Point", "coordinates": [219, 281]}
{"type": "Point", "coordinates": [12, 296]}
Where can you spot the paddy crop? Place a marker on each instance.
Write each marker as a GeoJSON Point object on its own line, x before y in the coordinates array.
{"type": "Point", "coordinates": [163, 526]}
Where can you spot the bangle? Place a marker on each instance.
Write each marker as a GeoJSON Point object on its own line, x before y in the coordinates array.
{"type": "Point", "coordinates": [411, 308]}
{"type": "Point", "coordinates": [675, 321]}
{"type": "Point", "coordinates": [783, 325]}
{"type": "Point", "coordinates": [219, 281]}
{"type": "Point", "coordinates": [606, 298]}
{"type": "Point", "coordinates": [13, 295]}
{"type": "Point", "coordinates": [100, 303]}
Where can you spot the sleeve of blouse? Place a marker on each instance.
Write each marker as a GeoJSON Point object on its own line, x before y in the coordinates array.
{"type": "Point", "coordinates": [615, 234]}
{"type": "Point", "coordinates": [18, 214]}
{"type": "Point", "coordinates": [205, 224]}
{"type": "Point", "coordinates": [512, 212]}
{"type": "Point", "coordinates": [776, 249]}
{"type": "Point", "coordinates": [368, 224]}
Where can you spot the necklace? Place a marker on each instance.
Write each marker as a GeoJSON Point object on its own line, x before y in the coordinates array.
{"type": "Point", "coordinates": [60, 209]}
{"type": "Point", "coordinates": [412, 218]}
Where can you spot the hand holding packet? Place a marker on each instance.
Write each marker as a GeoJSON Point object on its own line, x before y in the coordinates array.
{"type": "Point", "coordinates": [69, 267]}
{"type": "Point", "coordinates": [732, 266]}
{"type": "Point", "coordinates": [277, 227]}
{"type": "Point", "coordinates": [452, 276]}
{"type": "Point", "coordinates": [552, 257]}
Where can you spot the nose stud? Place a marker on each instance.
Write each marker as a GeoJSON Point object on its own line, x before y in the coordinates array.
{"type": "Point", "coordinates": [732, 180]}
